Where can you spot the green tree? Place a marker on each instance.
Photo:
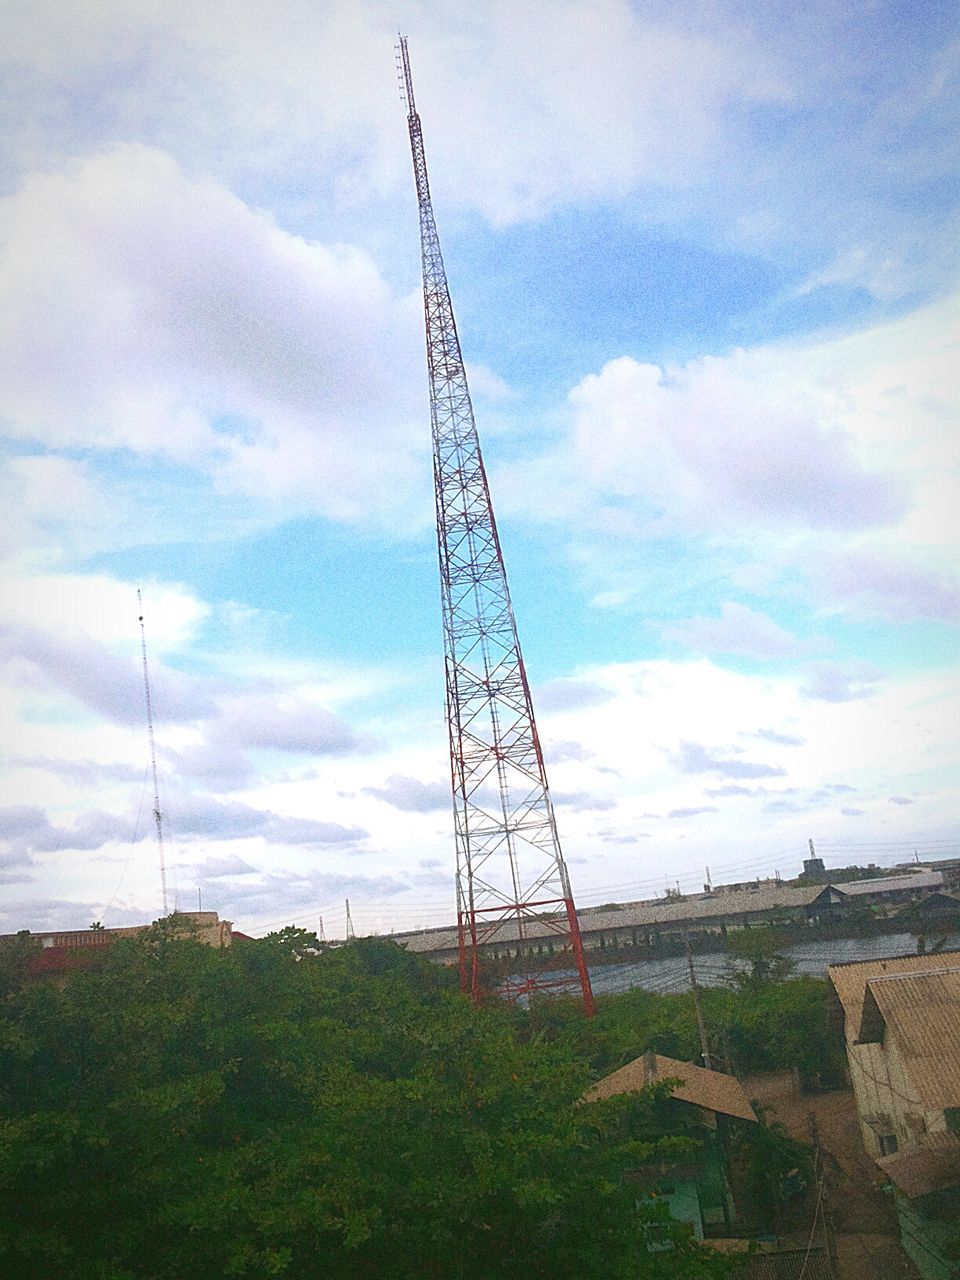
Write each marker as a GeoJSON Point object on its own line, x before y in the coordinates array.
{"type": "Point", "coordinates": [772, 1173]}
{"type": "Point", "coordinates": [761, 951]}
{"type": "Point", "coordinates": [271, 1109]}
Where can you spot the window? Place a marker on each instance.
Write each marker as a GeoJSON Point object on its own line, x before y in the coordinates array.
{"type": "Point", "coordinates": [888, 1143]}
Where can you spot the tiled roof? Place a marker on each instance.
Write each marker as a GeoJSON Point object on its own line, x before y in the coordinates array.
{"type": "Point", "coordinates": [933, 1167]}
{"type": "Point", "coordinates": [850, 980]}
{"type": "Point", "coordinates": [713, 1090]}
{"type": "Point", "coordinates": [921, 1015]}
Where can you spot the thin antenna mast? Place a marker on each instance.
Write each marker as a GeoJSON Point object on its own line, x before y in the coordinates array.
{"type": "Point", "coordinates": [350, 933]}
{"type": "Point", "coordinates": [153, 758]}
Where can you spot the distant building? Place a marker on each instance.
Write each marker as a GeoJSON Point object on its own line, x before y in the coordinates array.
{"type": "Point", "coordinates": [640, 924]}
{"type": "Point", "coordinates": [902, 1033]}
{"type": "Point", "coordinates": [60, 951]}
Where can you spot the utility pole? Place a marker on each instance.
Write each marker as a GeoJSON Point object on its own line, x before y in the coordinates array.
{"type": "Point", "coordinates": [512, 881]}
{"type": "Point", "coordinates": [822, 1205]}
{"type": "Point", "coordinates": [695, 988]}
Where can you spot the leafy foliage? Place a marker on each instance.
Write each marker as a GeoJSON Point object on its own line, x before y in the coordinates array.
{"type": "Point", "coordinates": [761, 950]}
{"type": "Point", "coordinates": [769, 1026]}
{"type": "Point", "coordinates": [277, 1109]}
{"type": "Point", "coordinates": [773, 1171]}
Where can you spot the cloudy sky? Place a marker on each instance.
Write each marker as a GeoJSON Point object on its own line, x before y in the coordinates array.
{"type": "Point", "coordinates": [705, 268]}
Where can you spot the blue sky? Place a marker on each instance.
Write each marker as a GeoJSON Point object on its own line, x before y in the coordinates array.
{"type": "Point", "coordinates": [705, 270]}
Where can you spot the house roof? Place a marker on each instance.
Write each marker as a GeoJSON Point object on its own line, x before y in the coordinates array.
{"type": "Point", "coordinates": [935, 1166]}
{"type": "Point", "coordinates": [712, 1090]}
{"type": "Point", "coordinates": [920, 1012]}
{"type": "Point", "coordinates": [892, 884]}
{"type": "Point", "coordinates": [787, 1264]}
{"type": "Point", "coordinates": [850, 980]}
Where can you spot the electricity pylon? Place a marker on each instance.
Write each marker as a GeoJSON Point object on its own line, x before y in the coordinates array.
{"type": "Point", "coordinates": [513, 888]}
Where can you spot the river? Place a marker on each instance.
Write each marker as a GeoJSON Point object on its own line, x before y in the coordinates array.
{"type": "Point", "coordinates": [671, 973]}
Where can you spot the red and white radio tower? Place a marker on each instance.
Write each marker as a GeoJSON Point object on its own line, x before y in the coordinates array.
{"type": "Point", "coordinates": [512, 881]}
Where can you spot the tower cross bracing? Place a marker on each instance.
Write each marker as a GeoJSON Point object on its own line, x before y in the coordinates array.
{"type": "Point", "coordinates": [510, 867]}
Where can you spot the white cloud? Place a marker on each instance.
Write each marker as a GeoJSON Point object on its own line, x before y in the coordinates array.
{"type": "Point", "coordinates": [840, 681]}
{"type": "Point", "coordinates": [869, 584]}
{"type": "Point", "coordinates": [764, 125]}
{"type": "Point", "coordinates": [725, 443]}
{"type": "Point", "coordinates": [149, 311]}
{"type": "Point", "coordinates": [824, 469]}
{"type": "Point", "coordinates": [413, 795]}
{"type": "Point", "coordinates": [742, 631]}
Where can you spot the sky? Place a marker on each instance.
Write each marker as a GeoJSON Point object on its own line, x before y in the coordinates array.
{"type": "Point", "coordinates": [704, 261]}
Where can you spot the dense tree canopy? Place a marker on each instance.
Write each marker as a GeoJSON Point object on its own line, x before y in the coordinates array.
{"type": "Point", "coordinates": [277, 1110]}
{"type": "Point", "coordinates": [762, 1024]}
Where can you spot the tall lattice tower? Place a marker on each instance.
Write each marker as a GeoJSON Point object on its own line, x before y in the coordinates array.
{"type": "Point", "coordinates": [512, 881]}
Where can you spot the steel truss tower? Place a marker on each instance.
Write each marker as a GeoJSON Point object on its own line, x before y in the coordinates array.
{"type": "Point", "coordinates": [512, 881]}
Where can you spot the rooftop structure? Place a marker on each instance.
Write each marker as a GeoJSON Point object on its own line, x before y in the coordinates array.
{"type": "Point", "coordinates": [711, 1090]}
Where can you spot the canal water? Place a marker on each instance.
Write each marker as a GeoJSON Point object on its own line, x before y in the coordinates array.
{"type": "Point", "coordinates": [671, 973]}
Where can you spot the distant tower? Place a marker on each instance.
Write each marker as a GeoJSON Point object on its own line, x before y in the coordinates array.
{"type": "Point", "coordinates": [512, 881]}
{"type": "Point", "coordinates": [157, 816]}
{"type": "Point", "coordinates": [350, 933]}
{"type": "Point", "coordinates": [813, 867]}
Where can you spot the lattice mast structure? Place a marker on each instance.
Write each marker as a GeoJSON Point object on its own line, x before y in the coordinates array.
{"type": "Point", "coordinates": [157, 816]}
{"type": "Point", "coordinates": [512, 881]}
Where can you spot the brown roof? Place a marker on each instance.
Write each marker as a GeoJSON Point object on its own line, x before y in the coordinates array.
{"type": "Point", "coordinates": [713, 1090]}
{"type": "Point", "coordinates": [920, 1012]}
{"type": "Point", "coordinates": [850, 980]}
{"type": "Point", "coordinates": [788, 1264]}
{"type": "Point", "coordinates": [933, 1167]}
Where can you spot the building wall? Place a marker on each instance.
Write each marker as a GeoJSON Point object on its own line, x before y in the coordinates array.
{"type": "Point", "coordinates": [887, 1101]}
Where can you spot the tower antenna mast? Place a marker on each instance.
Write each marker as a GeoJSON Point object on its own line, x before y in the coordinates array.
{"type": "Point", "coordinates": [157, 818]}
{"type": "Point", "coordinates": [512, 881]}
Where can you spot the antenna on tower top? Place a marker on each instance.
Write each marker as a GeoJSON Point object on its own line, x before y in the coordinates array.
{"type": "Point", "coordinates": [404, 76]}
{"type": "Point", "coordinates": [153, 758]}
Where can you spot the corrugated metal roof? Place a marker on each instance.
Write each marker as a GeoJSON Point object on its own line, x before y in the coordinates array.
{"type": "Point", "coordinates": [935, 1166]}
{"type": "Point", "coordinates": [791, 1264]}
{"type": "Point", "coordinates": [850, 980]}
{"type": "Point", "coordinates": [892, 884]}
{"type": "Point", "coordinates": [638, 915]}
{"type": "Point", "coordinates": [713, 1090]}
{"type": "Point", "coordinates": [921, 1012]}
{"type": "Point", "coordinates": [696, 907]}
